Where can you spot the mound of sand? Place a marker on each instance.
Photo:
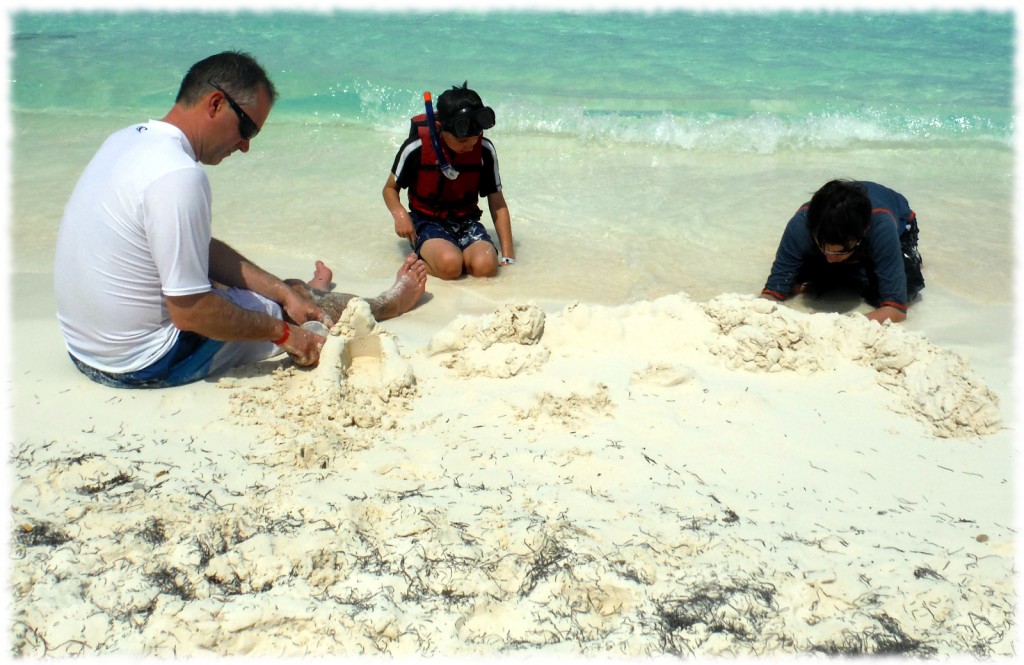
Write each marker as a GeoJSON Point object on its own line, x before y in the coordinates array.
{"type": "Point", "coordinates": [667, 477]}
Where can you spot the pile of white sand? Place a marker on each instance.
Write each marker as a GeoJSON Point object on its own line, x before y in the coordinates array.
{"type": "Point", "coordinates": [667, 477]}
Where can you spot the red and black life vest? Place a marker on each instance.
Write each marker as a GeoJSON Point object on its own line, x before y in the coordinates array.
{"type": "Point", "coordinates": [434, 195]}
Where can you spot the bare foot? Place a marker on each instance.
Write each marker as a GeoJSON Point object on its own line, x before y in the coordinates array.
{"type": "Point", "coordinates": [321, 277]}
{"type": "Point", "coordinates": [410, 284]}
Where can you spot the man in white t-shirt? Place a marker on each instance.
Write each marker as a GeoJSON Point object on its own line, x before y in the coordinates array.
{"type": "Point", "coordinates": [146, 296]}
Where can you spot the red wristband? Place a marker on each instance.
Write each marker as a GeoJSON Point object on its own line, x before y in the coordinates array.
{"type": "Point", "coordinates": [285, 336]}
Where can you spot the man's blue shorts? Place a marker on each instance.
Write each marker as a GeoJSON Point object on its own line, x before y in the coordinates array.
{"type": "Point", "coordinates": [462, 235]}
{"type": "Point", "coordinates": [194, 357]}
{"type": "Point", "coordinates": [188, 360]}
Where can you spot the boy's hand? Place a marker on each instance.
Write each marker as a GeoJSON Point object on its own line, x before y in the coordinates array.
{"type": "Point", "coordinates": [404, 228]}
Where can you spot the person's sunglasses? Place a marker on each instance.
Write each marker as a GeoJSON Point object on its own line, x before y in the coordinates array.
{"type": "Point", "coordinates": [246, 127]}
{"type": "Point", "coordinates": [844, 252]}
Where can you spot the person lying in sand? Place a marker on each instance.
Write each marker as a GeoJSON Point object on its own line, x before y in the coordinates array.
{"type": "Point", "coordinates": [446, 168]}
{"type": "Point", "coordinates": [146, 296]}
{"type": "Point", "coordinates": [851, 233]}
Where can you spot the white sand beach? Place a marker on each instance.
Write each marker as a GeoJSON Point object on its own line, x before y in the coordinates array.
{"type": "Point", "coordinates": [666, 477]}
{"type": "Point", "coordinates": [612, 449]}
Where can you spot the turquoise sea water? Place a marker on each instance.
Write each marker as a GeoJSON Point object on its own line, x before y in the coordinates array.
{"type": "Point", "coordinates": [729, 81]}
{"type": "Point", "coordinates": [642, 153]}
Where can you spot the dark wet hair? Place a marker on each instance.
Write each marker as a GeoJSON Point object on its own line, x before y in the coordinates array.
{"type": "Point", "coordinates": [235, 71]}
{"type": "Point", "coordinates": [455, 99]}
{"type": "Point", "coordinates": [839, 213]}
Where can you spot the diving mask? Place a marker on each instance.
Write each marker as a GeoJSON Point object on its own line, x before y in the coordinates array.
{"type": "Point", "coordinates": [469, 121]}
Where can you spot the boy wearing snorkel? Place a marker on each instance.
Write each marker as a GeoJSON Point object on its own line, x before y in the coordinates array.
{"type": "Point", "coordinates": [447, 165]}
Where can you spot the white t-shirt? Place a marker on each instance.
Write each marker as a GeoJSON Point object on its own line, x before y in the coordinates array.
{"type": "Point", "coordinates": [137, 227]}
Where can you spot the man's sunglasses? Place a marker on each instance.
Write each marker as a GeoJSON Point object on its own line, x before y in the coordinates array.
{"type": "Point", "coordinates": [246, 127]}
{"type": "Point", "coordinates": [469, 121]}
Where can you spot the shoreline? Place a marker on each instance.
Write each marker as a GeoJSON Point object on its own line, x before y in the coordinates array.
{"type": "Point", "coordinates": [319, 197]}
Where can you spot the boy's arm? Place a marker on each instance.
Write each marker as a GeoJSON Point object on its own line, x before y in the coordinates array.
{"type": "Point", "coordinates": [890, 271]}
{"type": "Point", "coordinates": [794, 246]}
{"type": "Point", "coordinates": [502, 223]}
{"type": "Point", "coordinates": [404, 227]}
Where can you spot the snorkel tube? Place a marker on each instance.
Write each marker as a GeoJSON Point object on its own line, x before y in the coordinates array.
{"type": "Point", "coordinates": [435, 140]}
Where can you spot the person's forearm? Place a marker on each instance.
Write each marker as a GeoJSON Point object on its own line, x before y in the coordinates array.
{"type": "Point", "coordinates": [503, 226]}
{"type": "Point", "coordinates": [404, 226]}
{"type": "Point", "coordinates": [392, 199]}
{"type": "Point", "coordinates": [211, 315]}
{"type": "Point", "coordinates": [230, 268]}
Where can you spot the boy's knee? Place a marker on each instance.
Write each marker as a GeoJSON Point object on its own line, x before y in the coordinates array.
{"type": "Point", "coordinates": [448, 268]}
{"type": "Point", "coordinates": [485, 266]}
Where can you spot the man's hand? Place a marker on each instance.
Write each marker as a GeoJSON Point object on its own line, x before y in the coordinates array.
{"type": "Point", "coordinates": [303, 346]}
{"type": "Point", "coordinates": [301, 308]}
